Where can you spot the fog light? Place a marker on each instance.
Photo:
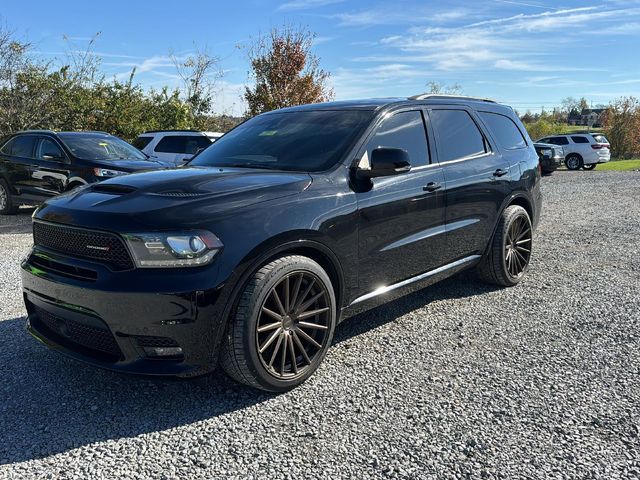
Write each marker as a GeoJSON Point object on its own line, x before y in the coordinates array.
{"type": "Point", "coordinates": [163, 351]}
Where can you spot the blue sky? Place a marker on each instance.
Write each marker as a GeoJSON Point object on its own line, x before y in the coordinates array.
{"type": "Point", "coordinates": [528, 53]}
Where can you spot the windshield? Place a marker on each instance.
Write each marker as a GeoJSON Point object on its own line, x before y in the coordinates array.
{"type": "Point", "coordinates": [308, 141]}
{"type": "Point", "coordinates": [100, 147]}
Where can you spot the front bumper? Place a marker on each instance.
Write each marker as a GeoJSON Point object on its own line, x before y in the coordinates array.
{"type": "Point", "coordinates": [551, 163]}
{"type": "Point", "coordinates": [120, 330]}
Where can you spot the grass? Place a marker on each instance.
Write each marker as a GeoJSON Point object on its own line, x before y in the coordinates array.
{"type": "Point", "coordinates": [620, 165]}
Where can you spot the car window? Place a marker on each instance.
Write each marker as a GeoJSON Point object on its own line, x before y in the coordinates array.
{"type": "Point", "coordinates": [403, 130]}
{"type": "Point", "coordinates": [172, 144]}
{"type": "Point", "coordinates": [457, 135]}
{"type": "Point", "coordinates": [49, 150]}
{"type": "Point", "coordinates": [97, 146]}
{"type": "Point", "coordinates": [508, 134]}
{"type": "Point", "coordinates": [302, 141]}
{"type": "Point", "coordinates": [142, 142]}
{"type": "Point", "coordinates": [20, 146]}
{"type": "Point", "coordinates": [544, 140]}
{"type": "Point", "coordinates": [559, 141]}
{"type": "Point", "coordinates": [193, 144]}
{"type": "Point", "coordinates": [600, 138]}
{"type": "Point", "coordinates": [580, 139]}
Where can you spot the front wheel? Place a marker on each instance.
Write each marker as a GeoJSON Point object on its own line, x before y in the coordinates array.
{"type": "Point", "coordinates": [283, 325]}
{"type": "Point", "coordinates": [507, 259]}
{"type": "Point", "coordinates": [590, 166]}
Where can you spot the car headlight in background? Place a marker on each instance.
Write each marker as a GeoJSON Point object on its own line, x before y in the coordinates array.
{"type": "Point", "coordinates": [173, 249]}
{"type": "Point", "coordinates": [107, 172]}
{"type": "Point", "coordinates": [547, 152]}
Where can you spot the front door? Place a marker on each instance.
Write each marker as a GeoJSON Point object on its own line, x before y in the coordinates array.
{"type": "Point", "coordinates": [401, 217]}
{"type": "Point", "coordinates": [51, 169]}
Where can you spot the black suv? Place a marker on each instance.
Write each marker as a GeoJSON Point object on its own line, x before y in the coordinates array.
{"type": "Point", "coordinates": [38, 164]}
{"type": "Point", "coordinates": [291, 222]}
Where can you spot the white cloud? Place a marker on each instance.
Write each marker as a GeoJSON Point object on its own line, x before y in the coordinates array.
{"type": "Point", "coordinates": [306, 4]}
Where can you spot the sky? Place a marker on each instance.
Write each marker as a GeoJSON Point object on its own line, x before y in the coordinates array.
{"type": "Point", "coordinates": [529, 54]}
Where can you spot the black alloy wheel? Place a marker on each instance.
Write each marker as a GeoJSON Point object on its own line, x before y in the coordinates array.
{"type": "Point", "coordinates": [283, 325]}
{"type": "Point", "coordinates": [517, 246]}
{"type": "Point", "coordinates": [293, 325]}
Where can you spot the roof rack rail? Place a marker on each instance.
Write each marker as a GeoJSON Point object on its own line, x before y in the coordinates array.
{"type": "Point", "coordinates": [425, 96]}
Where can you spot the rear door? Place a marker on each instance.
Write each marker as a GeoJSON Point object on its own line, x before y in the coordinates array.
{"type": "Point", "coordinates": [477, 179]}
{"type": "Point", "coordinates": [19, 163]}
{"type": "Point", "coordinates": [401, 217]}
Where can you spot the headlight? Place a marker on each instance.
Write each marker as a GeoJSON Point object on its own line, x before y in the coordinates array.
{"type": "Point", "coordinates": [107, 172]}
{"type": "Point", "coordinates": [173, 249]}
{"type": "Point", "coordinates": [547, 152]}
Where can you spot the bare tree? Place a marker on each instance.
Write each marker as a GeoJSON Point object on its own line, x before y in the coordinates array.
{"type": "Point", "coordinates": [439, 88]}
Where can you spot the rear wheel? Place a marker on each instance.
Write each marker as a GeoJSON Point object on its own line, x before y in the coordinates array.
{"type": "Point", "coordinates": [508, 257]}
{"type": "Point", "coordinates": [7, 206]}
{"type": "Point", "coordinates": [590, 166]}
{"type": "Point", "coordinates": [573, 162]}
{"type": "Point", "coordinates": [283, 325]}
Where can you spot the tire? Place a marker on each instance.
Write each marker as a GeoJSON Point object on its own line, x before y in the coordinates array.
{"type": "Point", "coordinates": [573, 162]}
{"type": "Point", "coordinates": [507, 259]}
{"type": "Point", "coordinates": [590, 166]}
{"type": "Point", "coordinates": [7, 205]}
{"type": "Point", "coordinates": [266, 327]}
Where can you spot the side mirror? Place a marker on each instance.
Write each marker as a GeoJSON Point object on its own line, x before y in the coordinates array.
{"type": "Point", "coordinates": [387, 161]}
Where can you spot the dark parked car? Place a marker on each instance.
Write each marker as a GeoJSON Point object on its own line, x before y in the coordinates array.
{"type": "Point", "coordinates": [551, 157]}
{"type": "Point", "coordinates": [291, 222]}
{"type": "Point", "coordinates": [36, 165]}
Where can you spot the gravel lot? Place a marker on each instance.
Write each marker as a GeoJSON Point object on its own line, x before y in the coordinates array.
{"type": "Point", "coordinates": [458, 380]}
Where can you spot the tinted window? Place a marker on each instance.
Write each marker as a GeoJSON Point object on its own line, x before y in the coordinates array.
{"type": "Point", "coordinates": [50, 149]}
{"type": "Point", "coordinates": [403, 130]}
{"type": "Point", "coordinates": [457, 135]}
{"type": "Point", "coordinates": [580, 139]}
{"type": "Point", "coordinates": [507, 133]}
{"type": "Point", "coordinates": [193, 144]}
{"type": "Point", "coordinates": [309, 141]}
{"type": "Point", "coordinates": [90, 146]}
{"type": "Point", "coordinates": [20, 146]}
{"type": "Point", "coordinates": [172, 144]}
{"type": "Point", "coordinates": [142, 142]}
{"type": "Point", "coordinates": [559, 140]}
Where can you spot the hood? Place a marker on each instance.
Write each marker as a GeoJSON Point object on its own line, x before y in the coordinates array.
{"type": "Point", "coordinates": [128, 165]}
{"type": "Point", "coordinates": [171, 198]}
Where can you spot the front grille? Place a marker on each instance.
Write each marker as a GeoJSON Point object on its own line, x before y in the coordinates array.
{"type": "Point", "coordinates": [77, 242]}
{"type": "Point", "coordinates": [87, 336]}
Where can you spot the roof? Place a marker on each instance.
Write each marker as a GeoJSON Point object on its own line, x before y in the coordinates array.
{"type": "Point", "coordinates": [379, 103]}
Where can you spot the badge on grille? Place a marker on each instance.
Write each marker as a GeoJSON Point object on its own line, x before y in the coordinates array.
{"type": "Point", "coordinates": [95, 247]}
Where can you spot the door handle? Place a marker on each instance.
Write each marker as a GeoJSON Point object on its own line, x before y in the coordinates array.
{"type": "Point", "coordinates": [500, 173]}
{"type": "Point", "coordinates": [432, 187]}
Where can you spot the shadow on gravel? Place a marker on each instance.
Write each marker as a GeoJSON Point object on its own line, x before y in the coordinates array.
{"type": "Point", "coordinates": [16, 224]}
{"type": "Point", "coordinates": [50, 404]}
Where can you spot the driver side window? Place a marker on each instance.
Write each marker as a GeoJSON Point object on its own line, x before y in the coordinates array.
{"type": "Point", "coordinates": [48, 150]}
{"type": "Point", "coordinates": [403, 130]}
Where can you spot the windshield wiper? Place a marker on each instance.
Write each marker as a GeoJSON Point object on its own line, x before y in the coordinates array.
{"type": "Point", "coordinates": [244, 165]}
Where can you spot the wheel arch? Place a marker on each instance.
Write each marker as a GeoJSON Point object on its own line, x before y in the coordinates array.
{"type": "Point", "coordinates": [518, 198]}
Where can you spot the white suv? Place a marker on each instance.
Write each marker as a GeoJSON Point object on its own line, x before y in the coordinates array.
{"type": "Point", "coordinates": [582, 150]}
{"type": "Point", "coordinates": [174, 147]}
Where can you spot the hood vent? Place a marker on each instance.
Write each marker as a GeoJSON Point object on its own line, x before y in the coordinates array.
{"type": "Point", "coordinates": [113, 188]}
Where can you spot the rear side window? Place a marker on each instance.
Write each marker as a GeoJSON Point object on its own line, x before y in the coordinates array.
{"type": "Point", "coordinates": [182, 144]}
{"type": "Point", "coordinates": [21, 146]}
{"type": "Point", "coordinates": [142, 142]}
{"type": "Point", "coordinates": [559, 140]}
{"type": "Point", "coordinates": [457, 135]}
{"type": "Point", "coordinates": [508, 134]}
{"type": "Point", "coordinates": [600, 139]}
{"type": "Point", "coordinates": [403, 130]}
{"type": "Point", "coordinates": [580, 139]}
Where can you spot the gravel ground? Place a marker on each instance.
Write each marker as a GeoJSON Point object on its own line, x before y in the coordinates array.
{"type": "Point", "coordinates": [458, 380]}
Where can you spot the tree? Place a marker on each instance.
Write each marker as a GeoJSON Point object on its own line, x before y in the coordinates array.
{"type": "Point", "coordinates": [621, 123]}
{"type": "Point", "coordinates": [286, 72]}
{"type": "Point", "coordinates": [199, 73]}
{"type": "Point", "coordinates": [439, 88]}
